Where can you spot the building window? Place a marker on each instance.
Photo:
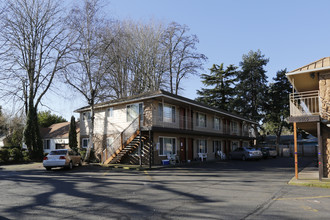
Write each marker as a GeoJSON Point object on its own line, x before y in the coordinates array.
{"type": "Point", "coordinates": [85, 142]}
{"type": "Point", "coordinates": [234, 127]}
{"type": "Point", "coordinates": [216, 146]}
{"type": "Point", "coordinates": [46, 144]}
{"type": "Point", "coordinates": [234, 145]}
{"type": "Point", "coordinates": [167, 145]}
{"type": "Point", "coordinates": [166, 113]}
{"type": "Point", "coordinates": [246, 129]}
{"type": "Point", "coordinates": [86, 116]}
{"type": "Point", "coordinates": [59, 146]}
{"type": "Point", "coordinates": [133, 111]}
{"type": "Point", "coordinates": [110, 112]}
{"type": "Point", "coordinates": [201, 120]}
{"type": "Point", "coordinates": [216, 123]}
{"type": "Point", "coordinates": [202, 146]}
{"type": "Point", "coordinates": [245, 144]}
{"type": "Point", "coordinates": [109, 141]}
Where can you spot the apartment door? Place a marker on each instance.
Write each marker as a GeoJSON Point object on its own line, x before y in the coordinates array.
{"type": "Point", "coordinates": [182, 149]}
{"type": "Point", "coordinates": [189, 119]}
{"type": "Point", "coordinates": [190, 149]}
{"type": "Point", "coordinates": [182, 118]}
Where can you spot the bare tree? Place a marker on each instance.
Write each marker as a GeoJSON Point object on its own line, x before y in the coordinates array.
{"type": "Point", "coordinates": [138, 58]}
{"type": "Point", "coordinates": [183, 60]}
{"type": "Point", "coordinates": [88, 66]}
{"type": "Point", "coordinates": [33, 42]}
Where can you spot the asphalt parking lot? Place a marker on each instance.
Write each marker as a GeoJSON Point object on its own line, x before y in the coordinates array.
{"type": "Point", "coordinates": [217, 190]}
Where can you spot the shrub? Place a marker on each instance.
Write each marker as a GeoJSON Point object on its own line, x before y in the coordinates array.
{"type": "Point", "coordinates": [82, 153]}
{"type": "Point", "coordinates": [16, 154]}
{"type": "Point", "coordinates": [92, 157]}
{"type": "Point", "coordinates": [4, 155]}
{"type": "Point", "coordinates": [26, 156]}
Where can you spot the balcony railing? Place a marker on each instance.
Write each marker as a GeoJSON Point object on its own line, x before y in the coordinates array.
{"type": "Point", "coordinates": [188, 123]}
{"type": "Point", "coordinates": [305, 103]}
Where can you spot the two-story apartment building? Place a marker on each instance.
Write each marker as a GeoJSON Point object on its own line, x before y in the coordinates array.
{"type": "Point", "coordinates": [152, 127]}
{"type": "Point", "coordinates": [310, 106]}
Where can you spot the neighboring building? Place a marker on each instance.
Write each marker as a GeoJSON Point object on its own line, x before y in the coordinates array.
{"type": "Point", "coordinates": [310, 106]}
{"type": "Point", "coordinates": [170, 127]}
{"type": "Point", "coordinates": [306, 147]}
{"type": "Point", "coordinates": [56, 136]}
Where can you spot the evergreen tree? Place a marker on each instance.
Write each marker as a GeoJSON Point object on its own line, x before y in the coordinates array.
{"type": "Point", "coordinates": [278, 108]}
{"type": "Point", "coordinates": [46, 119]}
{"type": "Point", "coordinates": [32, 135]}
{"type": "Point", "coordinates": [73, 135]}
{"type": "Point", "coordinates": [251, 89]}
{"type": "Point", "coordinates": [222, 92]}
{"type": "Point", "coordinates": [2, 122]}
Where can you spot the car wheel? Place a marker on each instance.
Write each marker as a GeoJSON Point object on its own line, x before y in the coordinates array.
{"type": "Point", "coordinates": [48, 168]}
{"type": "Point", "coordinates": [243, 157]}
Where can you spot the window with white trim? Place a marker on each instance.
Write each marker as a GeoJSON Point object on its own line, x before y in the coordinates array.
{"type": "Point", "coordinates": [202, 146]}
{"type": "Point", "coordinates": [110, 112]}
{"type": "Point", "coordinates": [109, 141]}
{"type": "Point", "coordinates": [167, 145]}
{"type": "Point", "coordinates": [166, 113]}
{"type": "Point", "coordinates": [133, 111]}
{"type": "Point", "coordinates": [245, 129]}
{"type": "Point", "coordinates": [200, 120]}
{"type": "Point", "coordinates": [86, 116]}
{"type": "Point", "coordinates": [234, 127]}
{"type": "Point", "coordinates": [46, 144]}
{"type": "Point", "coordinates": [216, 123]}
{"type": "Point", "coordinates": [85, 142]}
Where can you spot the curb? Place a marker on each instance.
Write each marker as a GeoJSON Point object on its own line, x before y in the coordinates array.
{"type": "Point", "coordinates": [309, 183]}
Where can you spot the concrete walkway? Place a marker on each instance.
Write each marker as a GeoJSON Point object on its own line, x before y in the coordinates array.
{"type": "Point", "coordinates": [309, 176]}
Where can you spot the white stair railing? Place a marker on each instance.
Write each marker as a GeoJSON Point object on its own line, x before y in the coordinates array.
{"type": "Point", "coordinates": [120, 139]}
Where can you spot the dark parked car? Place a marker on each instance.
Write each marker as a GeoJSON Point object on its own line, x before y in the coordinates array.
{"type": "Point", "coordinates": [245, 153]}
{"type": "Point", "coordinates": [268, 152]}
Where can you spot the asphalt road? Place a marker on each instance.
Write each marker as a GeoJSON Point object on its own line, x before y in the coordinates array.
{"type": "Point", "coordinates": [219, 190]}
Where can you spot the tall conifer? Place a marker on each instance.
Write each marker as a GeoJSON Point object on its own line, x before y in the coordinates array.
{"type": "Point", "coordinates": [73, 135]}
{"type": "Point", "coordinates": [221, 81]}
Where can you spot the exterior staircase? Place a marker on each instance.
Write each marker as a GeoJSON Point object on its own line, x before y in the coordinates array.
{"type": "Point", "coordinates": [124, 144]}
{"type": "Point", "coordinates": [129, 148]}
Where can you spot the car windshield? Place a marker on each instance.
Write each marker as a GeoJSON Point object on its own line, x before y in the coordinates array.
{"type": "Point", "coordinates": [58, 152]}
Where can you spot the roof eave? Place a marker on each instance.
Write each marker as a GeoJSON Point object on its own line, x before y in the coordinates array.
{"type": "Point", "coordinates": [170, 97]}
{"type": "Point", "coordinates": [308, 71]}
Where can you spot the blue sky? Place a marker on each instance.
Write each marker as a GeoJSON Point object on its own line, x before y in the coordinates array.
{"type": "Point", "coordinates": [290, 33]}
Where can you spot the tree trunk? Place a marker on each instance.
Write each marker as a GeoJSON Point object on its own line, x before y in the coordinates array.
{"type": "Point", "coordinates": [91, 131]}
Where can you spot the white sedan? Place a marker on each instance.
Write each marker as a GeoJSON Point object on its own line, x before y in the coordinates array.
{"type": "Point", "coordinates": [62, 158]}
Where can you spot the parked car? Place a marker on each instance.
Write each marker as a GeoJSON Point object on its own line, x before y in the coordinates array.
{"type": "Point", "coordinates": [245, 153]}
{"type": "Point", "coordinates": [268, 152]}
{"type": "Point", "coordinates": [62, 158]}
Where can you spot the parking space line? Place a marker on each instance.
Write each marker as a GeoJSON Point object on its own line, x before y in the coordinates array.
{"type": "Point", "coordinates": [309, 209]}
{"type": "Point", "coordinates": [150, 178]}
{"type": "Point", "coordinates": [105, 173]}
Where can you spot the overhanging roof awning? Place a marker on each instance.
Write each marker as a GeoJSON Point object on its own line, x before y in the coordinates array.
{"type": "Point", "coordinates": [305, 78]}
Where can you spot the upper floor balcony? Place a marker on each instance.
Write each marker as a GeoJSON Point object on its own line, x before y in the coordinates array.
{"type": "Point", "coordinates": [305, 104]}
{"type": "Point", "coordinates": [190, 124]}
